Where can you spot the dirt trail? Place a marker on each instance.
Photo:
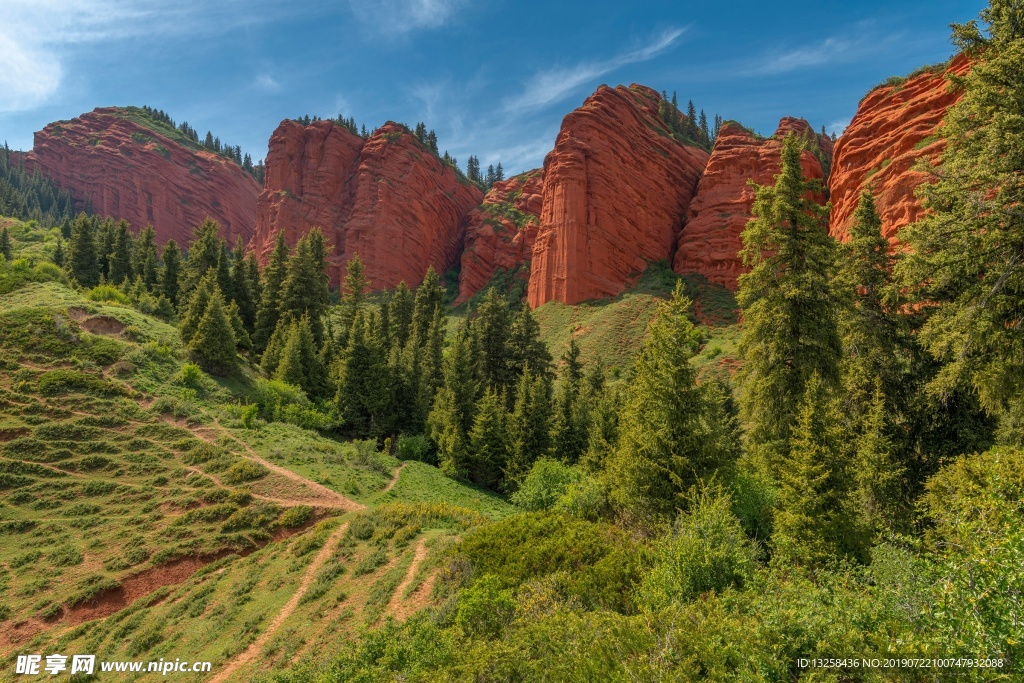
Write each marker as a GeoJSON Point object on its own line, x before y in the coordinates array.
{"type": "Point", "coordinates": [324, 497]}
{"type": "Point", "coordinates": [257, 645]}
{"type": "Point", "coordinates": [399, 606]}
{"type": "Point", "coordinates": [394, 478]}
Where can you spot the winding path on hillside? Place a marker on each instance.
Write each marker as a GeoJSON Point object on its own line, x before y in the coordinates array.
{"type": "Point", "coordinates": [394, 478]}
{"type": "Point", "coordinates": [325, 497]}
{"type": "Point", "coordinates": [247, 655]}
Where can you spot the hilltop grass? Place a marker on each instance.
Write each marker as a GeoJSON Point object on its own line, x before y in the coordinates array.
{"type": "Point", "coordinates": [423, 483]}
{"type": "Point", "coordinates": [613, 329]}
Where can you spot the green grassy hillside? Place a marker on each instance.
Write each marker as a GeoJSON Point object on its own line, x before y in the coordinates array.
{"type": "Point", "coordinates": [140, 518]}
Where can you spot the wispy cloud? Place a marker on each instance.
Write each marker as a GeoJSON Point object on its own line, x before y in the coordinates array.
{"type": "Point", "coordinates": [552, 85]}
{"type": "Point", "coordinates": [267, 83]}
{"type": "Point", "coordinates": [403, 16]}
{"type": "Point", "coordinates": [37, 36]}
{"type": "Point", "coordinates": [830, 51]}
{"type": "Point", "coordinates": [838, 126]}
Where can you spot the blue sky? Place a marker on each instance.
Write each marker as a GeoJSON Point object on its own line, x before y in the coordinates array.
{"type": "Point", "coordinates": [492, 78]}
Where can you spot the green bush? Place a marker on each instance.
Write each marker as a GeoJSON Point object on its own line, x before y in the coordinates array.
{"type": "Point", "coordinates": [107, 293]}
{"type": "Point", "coordinates": [595, 562]}
{"type": "Point", "coordinates": [706, 551]}
{"type": "Point", "coordinates": [415, 447]}
{"type": "Point", "coordinates": [62, 381]}
{"type": "Point", "coordinates": [243, 471]}
{"type": "Point", "coordinates": [547, 481]}
{"type": "Point", "coordinates": [485, 608]}
{"type": "Point", "coordinates": [65, 556]}
{"type": "Point", "coordinates": [295, 517]}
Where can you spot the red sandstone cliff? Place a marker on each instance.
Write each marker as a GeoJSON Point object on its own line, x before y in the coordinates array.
{"type": "Point", "coordinates": [616, 190]}
{"type": "Point", "coordinates": [893, 130]}
{"type": "Point", "coordinates": [501, 232]}
{"type": "Point", "coordinates": [132, 172]}
{"type": "Point", "coordinates": [388, 199]}
{"type": "Point", "coordinates": [710, 241]}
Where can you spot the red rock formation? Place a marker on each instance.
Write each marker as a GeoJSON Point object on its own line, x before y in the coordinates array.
{"type": "Point", "coordinates": [132, 172]}
{"type": "Point", "coordinates": [893, 130]}
{"type": "Point", "coordinates": [616, 190]}
{"type": "Point", "coordinates": [710, 241]}
{"type": "Point", "coordinates": [388, 199]}
{"type": "Point", "coordinates": [501, 232]}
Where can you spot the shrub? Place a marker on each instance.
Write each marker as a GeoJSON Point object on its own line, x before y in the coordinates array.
{"type": "Point", "coordinates": [63, 381]}
{"type": "Point", "coordinates": [586, 499]}
{"type": "Point", "coordinates": [295, 517]}
{"type": "Point", "coordinates": [243, 471]}
{"type": "Point", "coordinates": [65, 556]}
{"type": "Point", "coordinates": [107, 293]}
{"type": "Point", "coordinates": [706, 551]}
{"type": "Point", "coordinates": [191, 376]}
{"type": "Point", "coordinates": [547, 481]}
{"type": "Point", "coordinates": [416, 447]}
{"type": "Point", "coordinates": [485, 608]}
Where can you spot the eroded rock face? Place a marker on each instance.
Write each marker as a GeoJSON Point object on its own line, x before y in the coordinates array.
{"type": "Point", "coordinates": [128, 171]}
{"type": "Point", "coordinates": [388, 199]}
{"type": "Point", "coordinates": [501, 232]}
{"type": "Point", "coordinates": [894, 129]}
{"type": "Point", "coordinates": [616, 191]}
{"type": "Point", "coordinates": [710, 242]}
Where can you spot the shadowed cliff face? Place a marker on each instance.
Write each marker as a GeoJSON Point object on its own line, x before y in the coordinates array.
{"type": "Point", "coordinates": [387, 199]}
{"type": "Point", "coordinates": [710, 241]}
{"type": "Point", "coordinates": [892, 135]}
{"type": "Point", "coordinates": [501, 232]}
{"type": "Point", "coordinates": [129, 171]}
{"type": "Point", "coordinates": [616, 190]}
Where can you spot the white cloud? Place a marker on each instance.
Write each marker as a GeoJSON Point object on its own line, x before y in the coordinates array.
{"type": "Point", "coordinates": [546, 87]}
{"type": "Point", "coordinates": [267, 83]}
{"type": "Point", "coordinates": [832, 50]}
{"type": "Point", "coordinates": [839, 126]}
{"type": "Point", "coordinates": [403, 16]}
{"type": "Point", "coordinates": [28, 76]}
{"type": "Point", "coordinates": [38, 38]}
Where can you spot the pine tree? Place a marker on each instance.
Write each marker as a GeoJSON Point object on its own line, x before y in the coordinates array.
{"type": "Point", "coordinates": [5, 244]}
{"type": "Point", "coordinates": [401, 314]}
{"type": "Point", "coordinates": [705, 134]}
{"type": "Point", "coordinates": [105, 234]}
{"type": "Point", "coordinates": [665, 443]}
{"type": "Point", "coordinates": [241, 287]}
{"type": "Point", "coordinates": [353, 297]}
{"type": "Point", "coordinates": [965, 265]}
{"type": "Point", "coordinates": [528, 426]}
{"type": "Point", "coordinates": [203, 255]}
{"type": "Point", "coordinates": [451, 416]}
{"type": "Point", "coordinates": [493, 326]}
{"type": "Point", "coordinates": [224, 280]}
{"type": "Point", "coordinates": [195, 309]}
{"type": "Point", "coordinates": [121, 257]}
{"type": "Point", "coordinates": [304, 290]}
{"type": "Point", "coordinates": [526, 351]}
{"type": "Point", "coordinates": [58, 253]}
{"type": "Point", "coordinates": [242, 338]}
{"type": "Point", "coordinates": [487, 441]}
{"type": "Point", "coordinates": [569, 430]}
{"type": "Point", "coordinates": [691, 122]}
{"type": "Point", "coordinates": [291, 369]}
{"type": "Point", "coordinates": [82, 262]}
{"type": "Point", "coordinates": [213, 343]}
{"type": "Point", "coordinates": [429, 297]}
{"type": "Point", "coordinates": [789, 311]}
{"type": "Point", "coordinates": [269, 311]}
{"type": "Point", "coordinates": [171, 275]}
{"type": "Point", "coordinates": [364, 393]}
{"type": "Point", "coordinates": [499, 173]}
{"type": "Point", "coordinates": [490, 178]}
{"type": "Point", "coordinates": [146, 262]}
{"type": "Point", "coordinates": [816, 520]}
{"type": "Point", "coordinates": [870, 328]}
